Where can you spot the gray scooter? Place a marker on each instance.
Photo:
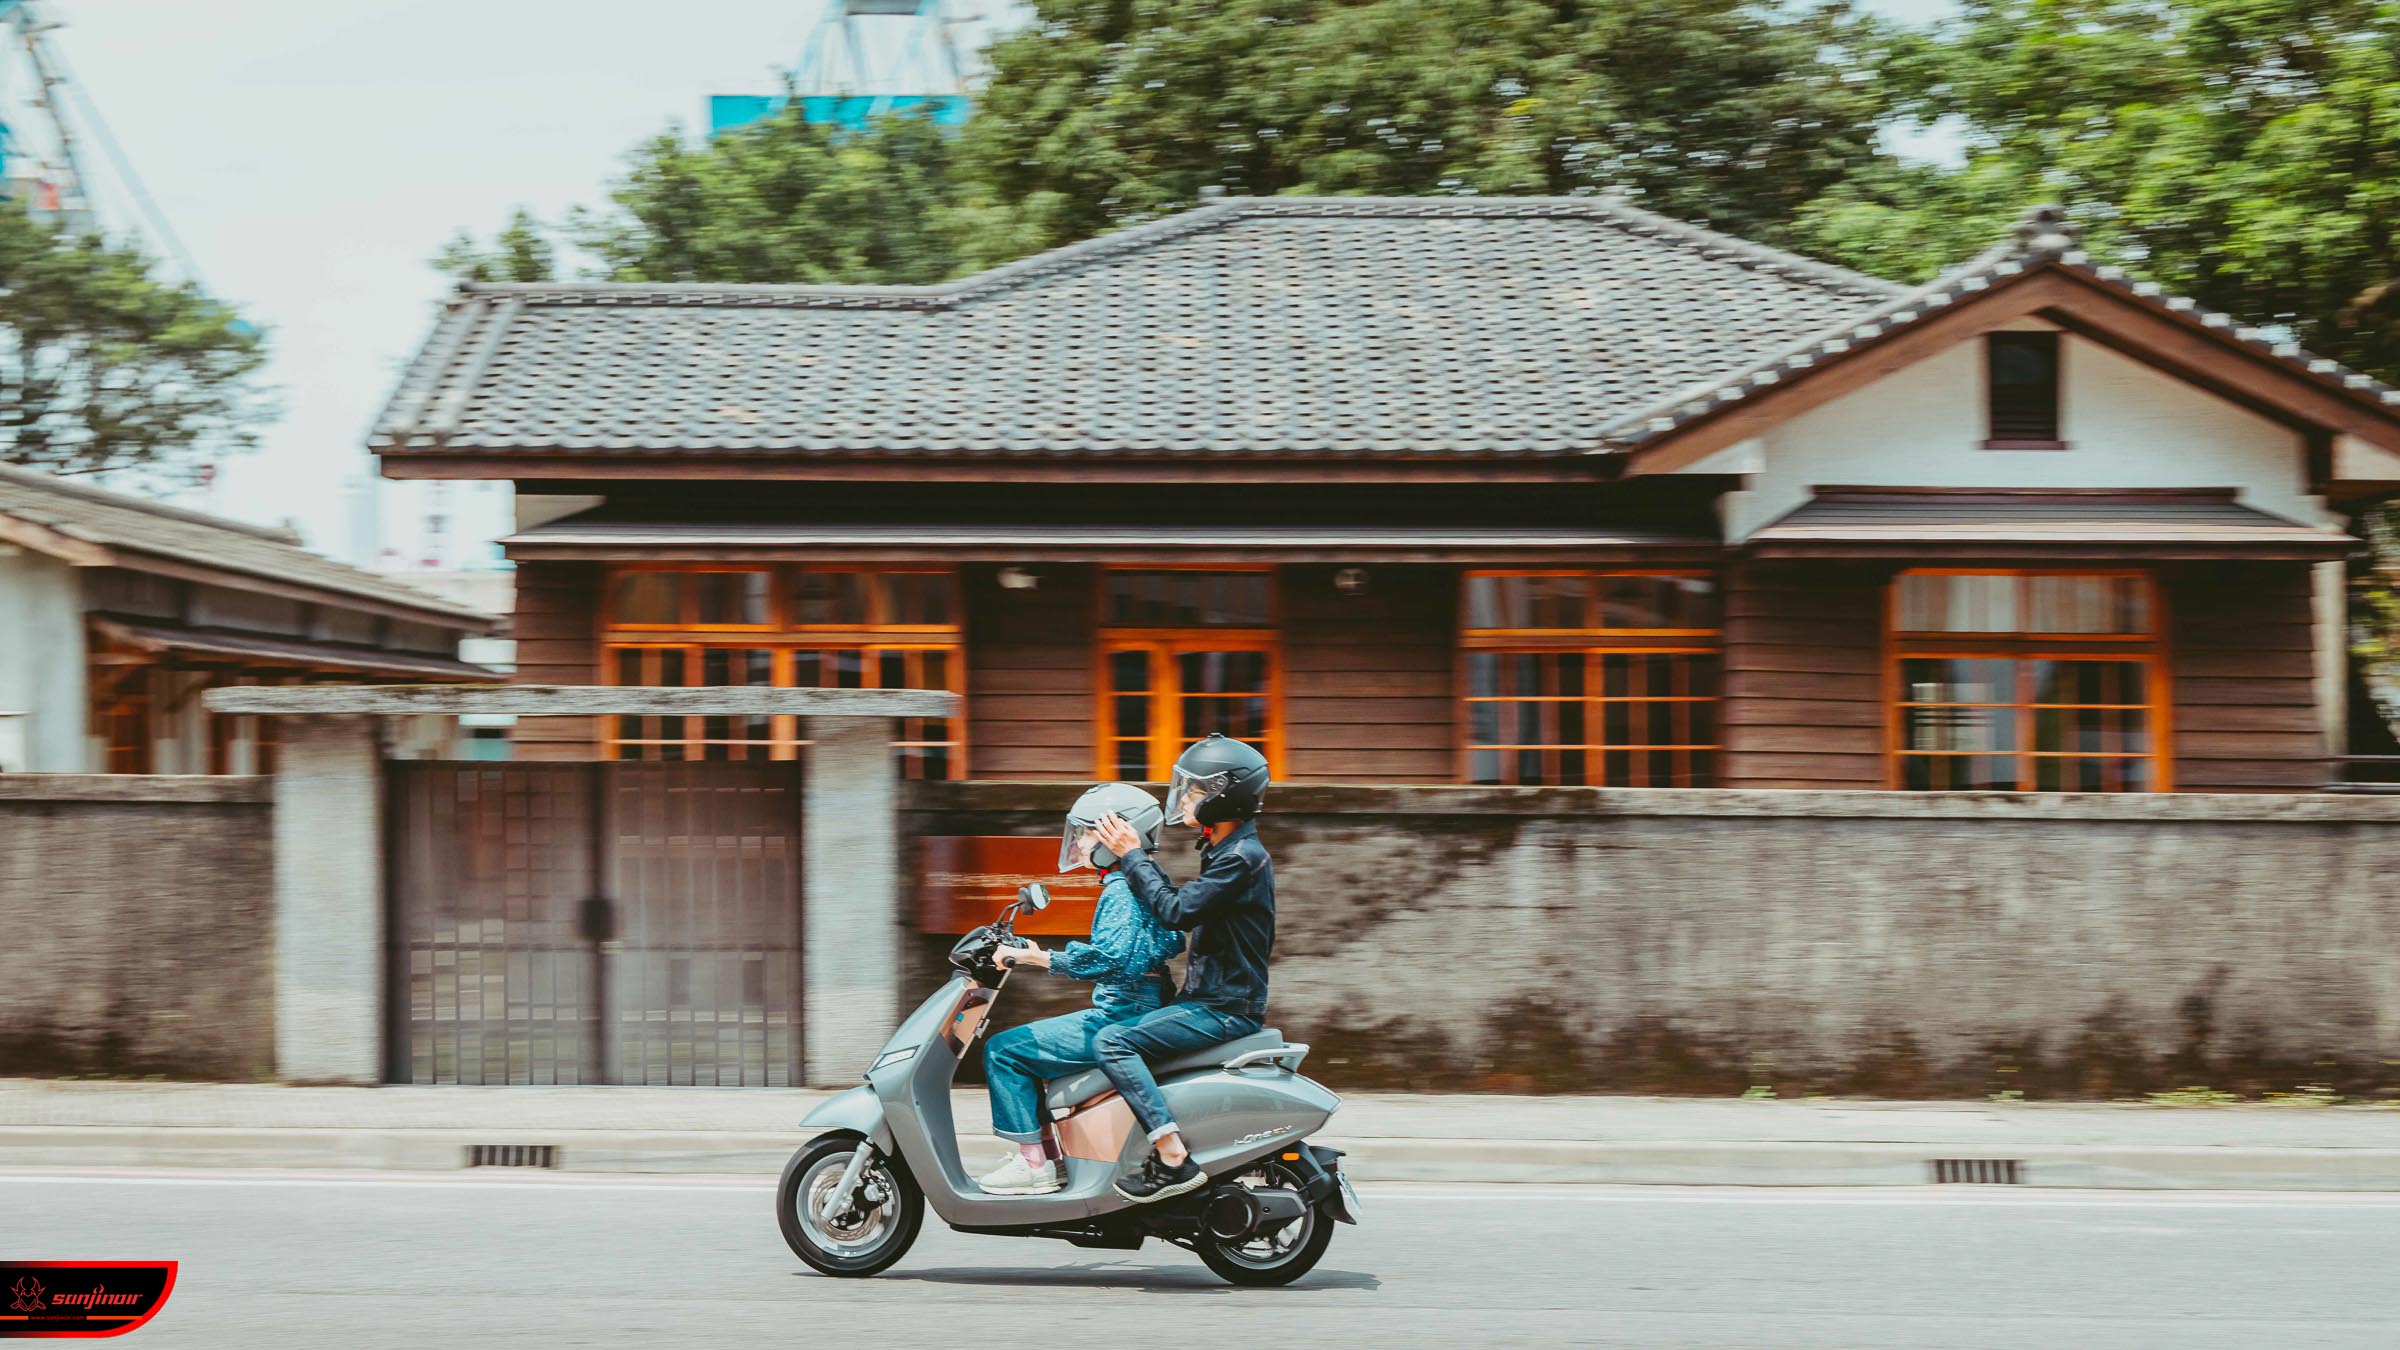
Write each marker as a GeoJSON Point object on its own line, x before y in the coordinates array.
{"type": "Point", "coordinates": [853, 1198]}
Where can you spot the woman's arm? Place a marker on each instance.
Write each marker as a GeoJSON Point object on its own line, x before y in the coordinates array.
{"type": "Point", "coordinates": [1117, 949]}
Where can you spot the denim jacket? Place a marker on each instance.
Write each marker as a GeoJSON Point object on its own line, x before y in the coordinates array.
{"type": "Point", "coordinates": [1127, 956]}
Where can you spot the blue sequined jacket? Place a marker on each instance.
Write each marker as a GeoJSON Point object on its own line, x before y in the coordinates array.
{"type": "Point", "coordinates": [1127, 956]}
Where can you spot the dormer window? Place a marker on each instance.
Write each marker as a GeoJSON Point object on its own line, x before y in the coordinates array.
{"type": "Point", "coordinates": [2021, 389]}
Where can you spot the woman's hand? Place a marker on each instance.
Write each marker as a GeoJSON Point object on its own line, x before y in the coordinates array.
{"type": "Point", "coordinates": [1026, 954]}
{"type": "Point", "coordinates": [1116, 836]}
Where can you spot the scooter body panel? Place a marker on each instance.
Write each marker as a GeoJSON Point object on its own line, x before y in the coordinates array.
{"type": "Point", "coordinates": [1229, 1117]}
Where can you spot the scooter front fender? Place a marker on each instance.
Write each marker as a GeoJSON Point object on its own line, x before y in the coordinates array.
{"type": "Point", "coordinates": [857, 1110]}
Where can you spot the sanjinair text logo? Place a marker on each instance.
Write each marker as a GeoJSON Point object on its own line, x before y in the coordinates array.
{"type": "Point", "coordinates": [81, 1298]}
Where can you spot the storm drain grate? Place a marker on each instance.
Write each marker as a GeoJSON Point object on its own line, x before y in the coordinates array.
{"type": "Point", "coordinates": [1978, 1172]}
{"type": "Point", "coordinates": [512, 1155]}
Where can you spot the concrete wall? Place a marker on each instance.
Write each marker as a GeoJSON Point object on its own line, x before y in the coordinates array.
{"type": "Point", "coordinates": [1881, 943]}
{"type": "Point", "coordinates": [135, 927]}
{"type": "Point", "coordinates": [41, 666]}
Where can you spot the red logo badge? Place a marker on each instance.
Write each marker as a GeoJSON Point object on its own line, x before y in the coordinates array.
{"type": "Point", "coordinates": [82, 1298]}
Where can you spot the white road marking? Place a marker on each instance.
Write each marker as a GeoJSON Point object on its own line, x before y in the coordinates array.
{"type": "Point", "coordinates": [1374, 1193]}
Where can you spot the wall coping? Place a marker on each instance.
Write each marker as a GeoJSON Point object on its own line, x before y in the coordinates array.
{"type": "Point", "coordinates": [129, 787]}
{"type": "Point", "coordinates": [570, 700]}
{"type": "Point", "coordinates": [1604, 803]}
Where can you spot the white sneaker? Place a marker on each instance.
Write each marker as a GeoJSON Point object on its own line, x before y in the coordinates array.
{"type": "Point", "coordinates": [1018, 1177]}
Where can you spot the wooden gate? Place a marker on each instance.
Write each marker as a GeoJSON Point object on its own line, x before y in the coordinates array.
{"type": "Point", "coordinates": [509, 965]}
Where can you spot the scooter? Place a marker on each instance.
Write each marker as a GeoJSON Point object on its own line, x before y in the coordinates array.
{"type": "Point", "coordinates": [853, 1198]}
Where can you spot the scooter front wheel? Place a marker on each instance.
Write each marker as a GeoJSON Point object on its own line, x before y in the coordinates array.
{"type": "Point", "coordinates": [881, 1224]}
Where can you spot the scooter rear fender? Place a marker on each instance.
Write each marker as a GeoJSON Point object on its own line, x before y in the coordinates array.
{"type": "Point", "coordinates": [857, 1110]}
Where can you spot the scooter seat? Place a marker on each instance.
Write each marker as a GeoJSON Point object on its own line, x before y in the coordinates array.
{"type": "Point", "coordinates": [1089, 1083]}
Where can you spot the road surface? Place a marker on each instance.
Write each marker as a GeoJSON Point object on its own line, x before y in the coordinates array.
{"type": "Point", "coordinates": [376, 1260]}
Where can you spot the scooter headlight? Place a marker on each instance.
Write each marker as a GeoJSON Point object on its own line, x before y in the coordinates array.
{"type": "Point", "coordinates": [900, 1056]}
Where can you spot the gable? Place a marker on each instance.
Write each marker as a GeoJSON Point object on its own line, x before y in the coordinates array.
{"type": "Point", "coordinates": [2126, 424]}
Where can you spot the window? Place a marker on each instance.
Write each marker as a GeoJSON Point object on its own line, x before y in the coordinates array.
{"type": "Point", "coordinates": [2021, 387]}
{"type": "Point", "coordinates": [2028, 681]}
{"type": "Point", "coordinates": [1607, 678]}
{"type": "Point", "coordinates": [785, 628]}
{"type": "Point", "coordinates": [1184, 654]}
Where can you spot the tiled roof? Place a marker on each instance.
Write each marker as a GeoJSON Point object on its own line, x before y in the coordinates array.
{"type": "Point", "coordinates": [1299, 327]}
{"type": "Point", "coordinates": [1867, 519]}
{"type": "Point", "coordinates": [2044, 237]}
{"type": "Point", "coordinates": [581, 535]}
{"type": "Point", "coordinates": [120, 523]}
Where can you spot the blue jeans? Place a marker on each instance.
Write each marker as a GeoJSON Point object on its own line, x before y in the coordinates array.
{"type": "Point", "coordinates": [1175, 1029]}
{"type": "Point", "coordinates": [1017, 1060]}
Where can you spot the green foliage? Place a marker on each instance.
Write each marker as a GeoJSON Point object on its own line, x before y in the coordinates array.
{"type": "Point", "coordinates": [1099, 113]}
{"type": "Point", "coordinates": [2193, 1096]}
{"type": "Point", "coordinates": [106, 369]}
{"type": "Point", "coordinates": [1732, 113]}
{"type": "Point", "coordinates": [521, 252]}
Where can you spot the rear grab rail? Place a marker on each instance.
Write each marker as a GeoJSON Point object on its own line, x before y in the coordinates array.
{"type": "Point", "coordinates": [1287, 1057]}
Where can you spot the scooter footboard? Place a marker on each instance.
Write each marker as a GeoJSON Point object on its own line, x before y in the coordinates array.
{"type": "Point", "coordinates": [857, 1110]}
{"type": "Point", "coordinates": [1228, 1118]}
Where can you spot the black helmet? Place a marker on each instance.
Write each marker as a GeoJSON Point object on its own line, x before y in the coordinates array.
{"type": "Point", "coordinates": [1218, 779]}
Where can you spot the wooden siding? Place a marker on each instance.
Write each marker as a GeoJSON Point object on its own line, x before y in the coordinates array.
{"type": "Point", "coordinates": [1804, 687]}
{"type": "Point", "coordinates": [558, 642]}
{"type": "Point", "coordinates": [1369, 684]}
{"type": "Point", "coordinates": [2245, 678]}
{"type": "Point", "coordinates": [1031, 709]}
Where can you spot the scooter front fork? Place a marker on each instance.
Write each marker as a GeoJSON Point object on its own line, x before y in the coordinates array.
{"type": "Point", "coordinates": [843, 1197]}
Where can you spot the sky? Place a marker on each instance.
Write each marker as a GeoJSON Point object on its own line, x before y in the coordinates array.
{"type": "Point", "coordinates": [313, 154]}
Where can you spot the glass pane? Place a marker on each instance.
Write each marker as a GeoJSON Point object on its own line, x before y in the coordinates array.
{"type": "Point", "coordinates": [1483, 674]}
{"type": "Point", "coordinates": [1483, 766]}
{"type": "Point", "coordinates": [1953, 603]}
{"type": "Point", "coordinates": [1658, 602]}
{"type": "Point", "coordinates": [1129, 671]}
{"type": "Point", "coordinates": [1483, 723]}
{"type": "Point", "coordinates": [649, 598]}
{"type": "Point", "coordinates": [733, 598]}
{"type": "Point", "coordinates": [1956, 729]}
{"type": "Point", "coordinates": [808, 670]}
{"type": "Point", "coordinates": [1132, 714]}
{"type": "Point", "coordinates": [831, 599]}
{"type": "Point", "coordinates": [1958, 680]}
{"type": "Point", "coordinates": [629, 666]}
{"type": "Point", "coordinates": [915, 598]}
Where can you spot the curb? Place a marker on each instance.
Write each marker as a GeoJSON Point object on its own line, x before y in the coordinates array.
{"type": "Point", "coordinates": [1555, 1161]}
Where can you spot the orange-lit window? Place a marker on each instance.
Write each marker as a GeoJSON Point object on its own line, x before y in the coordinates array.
{"type": "Point", "coordinates": [1185, 653]}
{"type": "Point", "coordinates": [806, 628]}
{"type": "Point", "coordinates": [2028, 681]}
{"type": "Point", "coordinates": [1607, 678]}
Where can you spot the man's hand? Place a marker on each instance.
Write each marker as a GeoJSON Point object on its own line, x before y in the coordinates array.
{"type": "Point", "coordinates": [1116, 836]}
{"type": "Point", "coordinates": [1025, 954]}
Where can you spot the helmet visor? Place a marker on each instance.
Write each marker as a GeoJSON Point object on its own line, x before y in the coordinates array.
{"type": "Point", "coordinates": [1186, 791]}
{"type": "Point", "coordinates": [1075, 845]}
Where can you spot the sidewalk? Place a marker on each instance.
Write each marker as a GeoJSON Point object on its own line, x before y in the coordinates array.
{"type": "Point", "coordinates": [1621, 1140]}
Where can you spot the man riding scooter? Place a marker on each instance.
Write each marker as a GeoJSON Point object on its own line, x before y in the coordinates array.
{"type": "Point", "coordinates": [1218, 788]}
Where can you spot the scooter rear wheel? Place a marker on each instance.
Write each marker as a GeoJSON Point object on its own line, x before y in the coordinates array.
{"type": "Point", "coordinates": [878, 1235]}
{"type": "Point", "coordinates": [1276, 1258]}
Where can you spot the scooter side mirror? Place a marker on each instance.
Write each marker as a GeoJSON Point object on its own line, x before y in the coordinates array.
{"type": "Point", "coordinates": [1035, 897]}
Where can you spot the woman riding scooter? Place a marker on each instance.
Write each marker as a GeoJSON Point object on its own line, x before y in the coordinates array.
{"type": "Point", "coordinates": [1126, 963]}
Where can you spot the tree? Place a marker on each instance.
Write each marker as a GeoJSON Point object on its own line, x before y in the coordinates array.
{"type": "Point", "coordinates": [1099, 113]}
{"type": "Point", "coordinates": [1722, 111]}
{"type": "Point", "coordinates": [2239, 151]}
{"type": "Point", "coordinates": [104, 368]}
{"type": "Point", "coordinates": [784, 200]}
{"type": "Point", "coordinates": [521, 252]}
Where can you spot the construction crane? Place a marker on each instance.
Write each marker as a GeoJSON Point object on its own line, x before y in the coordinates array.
{"type": "Point", "coordinates": [51, 179]}
{"type": "Point", "coordinates": [866, 58]}
{"type": "Point", "coordinates": [52, 187]}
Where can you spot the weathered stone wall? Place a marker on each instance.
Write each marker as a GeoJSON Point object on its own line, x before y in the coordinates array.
{"type": "Point", "coordinates": [1858, 942]}
{"type": "Point", "coordinates": [136, 926]}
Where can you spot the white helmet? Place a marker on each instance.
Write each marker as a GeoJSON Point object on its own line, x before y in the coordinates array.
{"type": "Point", "coordinates": [1079, 845]}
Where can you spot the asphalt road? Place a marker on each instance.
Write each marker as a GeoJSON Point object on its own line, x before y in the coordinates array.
{"type": "Point", "coordinates": [371, 1260]}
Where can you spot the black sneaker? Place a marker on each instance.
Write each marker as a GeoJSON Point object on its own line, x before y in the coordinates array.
{"type": "Point", "coordinates": [1158, 1181]}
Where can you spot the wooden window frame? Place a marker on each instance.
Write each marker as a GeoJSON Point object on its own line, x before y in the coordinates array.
{"type": "Point", "coordinates": [1594, 644]}
{"type": "Point", "coordinates": [786, 639]}
{"type": "Point", "coordinates": [2024, 337]}
{"type": "Point", "coordinates": [1166, 688]}
{"type": "Point", "coordinates": [2152, 650]}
